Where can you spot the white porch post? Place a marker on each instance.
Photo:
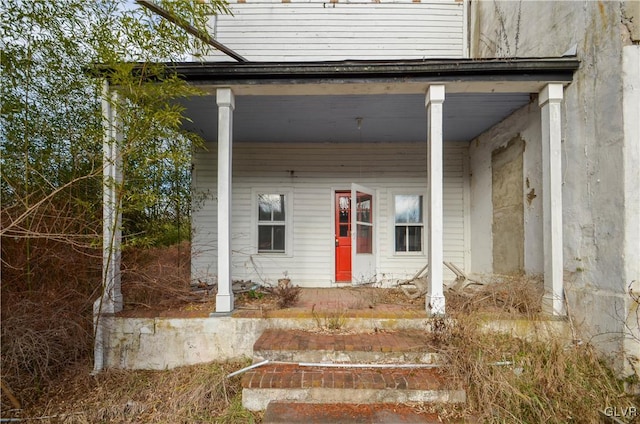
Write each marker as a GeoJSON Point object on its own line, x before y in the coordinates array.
{"type": "Point", "coordinates": [435, 295]}
{"type": "Point", "coordinates": [550, 101]}
{"type": "Point", "coordinates": [111, 204]}
{"type": "Point", "coordinates": [226, 104]}
{"type": "Point", "coordinates": [111, 299]}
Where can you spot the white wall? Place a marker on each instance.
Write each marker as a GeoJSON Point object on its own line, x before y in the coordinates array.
{"type": "Point", "coordinates": [311, 172]}
{"type": "Point", "coordinates": [322, 30]}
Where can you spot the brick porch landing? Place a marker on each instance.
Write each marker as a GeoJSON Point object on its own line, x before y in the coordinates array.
{"type": "Point", "coordinates": [347, 302]}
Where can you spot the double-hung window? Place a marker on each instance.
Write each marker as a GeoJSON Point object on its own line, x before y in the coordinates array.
{"type": "Point", "coordinates": [272, 224]}
{"type": "Point", "coordinates": [409, 223]}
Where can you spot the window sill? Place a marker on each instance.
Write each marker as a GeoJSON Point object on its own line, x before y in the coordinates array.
{"type": "Point", "coordinates": [410, 254]}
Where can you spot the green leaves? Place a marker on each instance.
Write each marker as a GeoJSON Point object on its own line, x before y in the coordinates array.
{"type": "Point", "coordinates": [51, 130]}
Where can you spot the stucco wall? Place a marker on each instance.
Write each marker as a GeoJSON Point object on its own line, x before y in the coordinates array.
{"type": "Point", "coordinates": [525, 124]}
{"type": "Point", "coordinates": [595, 204]}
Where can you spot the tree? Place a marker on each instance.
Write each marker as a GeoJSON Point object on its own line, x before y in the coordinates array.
{"type": "Point", "coordinates": [51, 135]}
{"type": "Point", "coordinates": [51, 129]}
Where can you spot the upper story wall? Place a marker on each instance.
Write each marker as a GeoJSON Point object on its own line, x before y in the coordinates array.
{"type": "Point", "coordinates": [314, 30]}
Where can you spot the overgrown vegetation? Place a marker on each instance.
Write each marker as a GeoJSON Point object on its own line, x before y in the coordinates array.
{"type": "Point", "coordinates": [514, 380]}
{"type": "Point", "coordinates": [507, 379]}
{"type": "Point", "coordinates": [200, 393]}
{"type": "Point", "coordinates": [51, 135]}
{"type": "Point", "coordinates": [156, 277]}
{"type": "Point", "coordinates": [510, 379]}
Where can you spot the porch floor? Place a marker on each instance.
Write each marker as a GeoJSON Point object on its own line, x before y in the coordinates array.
{"type": "Point", "coordinates": [347, 302]}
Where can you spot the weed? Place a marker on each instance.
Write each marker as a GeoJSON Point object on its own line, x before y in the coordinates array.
{"type": "Point", "coordinates": [286, 293]}
{"type": "Point", "coordinates": [255, 294]}
{"type": "Point", "coordinates": [333, 320]}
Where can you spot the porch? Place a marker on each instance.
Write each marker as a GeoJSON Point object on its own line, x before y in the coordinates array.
{"type": "Point", "coordinates": [361, 107]}
{"type": "Point", "coordinates": [305, 133]}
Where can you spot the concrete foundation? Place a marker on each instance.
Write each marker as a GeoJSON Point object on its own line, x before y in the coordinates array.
{"type": "Point", "coordinates": [164, 343]}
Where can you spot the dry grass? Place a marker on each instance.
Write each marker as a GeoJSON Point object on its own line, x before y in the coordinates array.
{"type": "Point", "coordinates": [47, 289]}
{"type": "Point", "coordinates": [512, 380]}
{"type": "Point", "coordinates": [192, 394]}
{"type": "Point", "coordinates": [522, 381]}
{"type": "Point", "coordinates": [504, 296]}
{"type": "Point", "coordinates": [40, 337]}
{"type": "Point", "coordinates": [156, 277]}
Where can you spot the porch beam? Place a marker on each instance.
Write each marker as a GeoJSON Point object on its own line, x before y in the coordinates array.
{"type": "Point", "coordinates": [226, 104]}
{"type": "Point", "coordinates": [435, 302]}
{"type": "Point", "coordinates": [550, 102]}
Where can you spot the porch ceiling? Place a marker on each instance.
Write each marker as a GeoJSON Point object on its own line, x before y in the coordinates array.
{"type": "Point", "coordinates": [325, 101]}
{"type": "Point", "coordinates": [335, 118]}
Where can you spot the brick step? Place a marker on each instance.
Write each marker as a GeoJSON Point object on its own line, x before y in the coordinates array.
{"type": "Point", "coordinates": [285, 382]}
{"type": "Point", "coordinates": [407, 346]}
{"type": "Point", "coordinates": [345, 413]}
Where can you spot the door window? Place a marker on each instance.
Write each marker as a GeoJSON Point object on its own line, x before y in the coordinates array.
{"type": "Point", "coordinates": [364, 222]}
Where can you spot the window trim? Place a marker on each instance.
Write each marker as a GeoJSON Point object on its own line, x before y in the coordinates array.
{"type": "Point", "coordinates": [288, 220]}
{"type": "Point", "coordinates": [392, 222]}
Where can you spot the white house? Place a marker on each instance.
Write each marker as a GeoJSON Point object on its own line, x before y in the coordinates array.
{"type": "Point", "coordinates": [359, 141]}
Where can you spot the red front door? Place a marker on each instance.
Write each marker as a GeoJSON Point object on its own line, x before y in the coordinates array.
{"type": "Point", "coordinates": [343, 236]}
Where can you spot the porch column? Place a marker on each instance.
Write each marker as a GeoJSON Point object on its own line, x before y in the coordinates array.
{"type": "Point", "coordinates": [111, 204]}
{"type": "Point", "coordinates": [550, 101]}
{"type": "Point", "coordinates": [435, 295]}
{"type": "Point", "coordinates": [226, 104]}
{"type": "Point", "coordinates": [110, 301]}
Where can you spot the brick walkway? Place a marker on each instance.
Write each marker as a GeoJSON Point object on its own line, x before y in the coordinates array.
{"type": "Point", "coordinates": [405, 341]}
{"type": "Point", "coordinates": [285, 376]}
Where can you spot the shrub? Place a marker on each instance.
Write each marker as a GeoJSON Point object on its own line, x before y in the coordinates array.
{"type": "Point", "coordinates": [286, 293]}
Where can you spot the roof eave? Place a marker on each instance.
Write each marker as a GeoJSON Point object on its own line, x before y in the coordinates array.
{"type": "Point", "coordinates": [553, 69]}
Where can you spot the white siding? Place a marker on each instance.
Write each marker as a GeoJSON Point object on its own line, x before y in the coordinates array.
{"type": "Point", "coordinates": [315, 30]}
{"type": "Point", "coordinates": [310, 172]}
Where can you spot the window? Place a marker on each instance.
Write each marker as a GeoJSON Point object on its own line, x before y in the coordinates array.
{"type": "Point", "coordinates": [408, 223]}
{"type": "Point", "coordinates": [364, 223]}
{"type": "Point", "coordinates": [271, 223]}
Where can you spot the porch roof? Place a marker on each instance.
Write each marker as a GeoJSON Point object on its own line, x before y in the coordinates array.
{"type": "Point", "coordinates": [375, 101]}
{"type": "Point", "coordinates": [553, 69]}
